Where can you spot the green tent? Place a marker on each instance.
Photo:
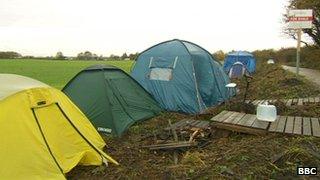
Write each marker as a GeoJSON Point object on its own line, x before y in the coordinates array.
{"type": "Point", "coordinates": [110, 98]}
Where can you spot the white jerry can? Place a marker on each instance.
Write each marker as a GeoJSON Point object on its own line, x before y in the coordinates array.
{"type": "Point", "coordinates": [266, 112]}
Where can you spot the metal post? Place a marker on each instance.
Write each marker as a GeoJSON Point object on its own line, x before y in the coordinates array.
{"type": "Point", "coordinates": [298, 50]}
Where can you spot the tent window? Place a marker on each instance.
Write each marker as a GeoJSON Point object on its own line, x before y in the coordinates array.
{"type": "Point", "coordinates": [161, 74]}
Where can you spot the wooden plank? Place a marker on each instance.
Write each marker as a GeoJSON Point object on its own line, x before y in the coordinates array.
{"type": "Point", "coordinates": [196, 123]}
{"type": "Point", "coordinates": [305, 100]}
{"type": "Point", "coordinates": [311, 99]}
{"type": "Point", "coordinates": [306, 126]}
{"type": "Point", "coordinates": [238, 118]}
{"type": "Point", "coordinates": [273, 101]}
{"type": "Point", "coordinates": [274, 125]}
{"type": "Point", "coordinates": [316, 99]}
{"type": "Point", "coordinates": [297, 125]}
{"type": "Point", "coordinates": [177, 124]}
{"type": "Point", "coordinates": [243, 120]}
{"type": "Point", "coordinates": [281, 125]}
{"type": "Point", "coordinates": [259, 102]}
{"type": "Point", "coordinates": [289, 102]}
{"type": "Point", "coordinates": [289, 125]}
{"type": "Point", "coordinates": [263, 101]}
{"type": "Point", "coordinates": [315, 127]}
{"type": "Point", "coordinates": [283, 100]}
{"type": "Point", "coordinates": [219, 115]}
{"type": "Point", "coordinates": [230, 118]}
{"type": "Point", "coordinates": [180, 124]}
{"type": "Point", "coordinates": [174, 145]}
{"type": "Point", "coordinates": [260, 124]}
{"type": "Point", "coordinates": [300, 102]}
{"type": "Point", "coordinates": [203, 124]}
{"type": "Point", "coordinates": [255, 102]}
{"type": "Point", "coordinates": [222, 118]}
{"type": "Point", "coordinates": [237, 128]}
{"type": "Point", "coordinates": [294, 101]}
{"type": "Point", "coordinates": [250, 121]}
{"type": "Point", "coordinates": [193, 123]}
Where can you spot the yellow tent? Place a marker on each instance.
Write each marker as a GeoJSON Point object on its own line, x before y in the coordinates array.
{"type": "Point", "coordinates": [43, 135]}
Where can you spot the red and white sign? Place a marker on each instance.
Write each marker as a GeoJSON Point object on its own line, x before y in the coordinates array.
{"type": "Point", "coordinates": [300, 19]}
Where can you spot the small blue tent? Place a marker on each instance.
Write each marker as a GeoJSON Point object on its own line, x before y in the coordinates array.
{"type": "Point", "coordinates": [181, 76]}
{"type": "Point", "coordinates": [237, 70]}
{"type": "Point", "coordinates": [240, 56]}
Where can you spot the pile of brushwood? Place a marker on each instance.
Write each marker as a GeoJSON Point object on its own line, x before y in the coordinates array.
{"type": "Point", "coordinates": [229, 154]}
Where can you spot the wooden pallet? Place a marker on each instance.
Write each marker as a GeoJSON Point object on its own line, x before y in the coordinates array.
{"type": "Point", "coordinates": [248, 123]}
{"type": "Point", "coordinates": [189, 123]}
{"type": "Point", "coordinates": [288, 102]}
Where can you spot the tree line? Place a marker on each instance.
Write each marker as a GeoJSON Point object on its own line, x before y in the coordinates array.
{"type": "Point", "coordinates": [86, 55]}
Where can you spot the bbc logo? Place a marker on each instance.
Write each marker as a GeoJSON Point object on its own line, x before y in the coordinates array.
{"type": "Point", "coordinates": [307, 170]}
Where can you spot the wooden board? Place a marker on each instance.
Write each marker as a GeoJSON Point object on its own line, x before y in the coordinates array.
{"type": "Point", "coordinates": [281, 124]}
{"type": "Point", "coordinates": [289, 125]}
{"type": "Point", "coordinates": [273, 100]}
{"type": "Point", "coordinates": [177, 124]}
{"type": "Point", "coordinates": [315, 127]}
{"type": "Point", "coordinates": [237, 128]}
{"type": "Point", "coordinates": [174, 145]}
{"type": "Point", "coordinates": [294, 101]}
{"type": "Point", "coordinates": [231, 117]}
{"type": "Point", "coordinates": [184, 123]}
{"type": "Point", "coordinates": [297, 125]}
{"type": "Point", "coordinates": [288, 102]}
{"type": "Point", "coordinates": [255, 102]}
{"type": "Point", "coordinates": [260, 124]}
{"type": "Point", "coordinates": [311, 100]}
{"type": "Point", "coordinates": [243, 119]}
{"type": "Point", "coordinates": [203, 124]}
{"type": "Point", "coordinates": [248, 123]}
{"type": "Point", "coordinates": [306, 126]}
{"type": "Point", "coordinates": [238, 118]}
{"type": "Point", "coordinates": [274, 125]}
{"type": "Point", "coordinates": [219, 115]}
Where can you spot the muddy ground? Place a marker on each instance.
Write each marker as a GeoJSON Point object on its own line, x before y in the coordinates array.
{"type": "Point", "coordinates": [224, 154]}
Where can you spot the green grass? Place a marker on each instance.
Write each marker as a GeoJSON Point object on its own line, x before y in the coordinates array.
{"type": "Point", "coordinates": [56, 73]}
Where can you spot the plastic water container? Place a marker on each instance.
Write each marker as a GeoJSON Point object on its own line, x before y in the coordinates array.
{"type": "Point", "coordinates": [266, 112]}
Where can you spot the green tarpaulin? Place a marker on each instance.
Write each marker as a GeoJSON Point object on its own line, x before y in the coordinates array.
{"type": "Point", "coordinates": [110, 98]}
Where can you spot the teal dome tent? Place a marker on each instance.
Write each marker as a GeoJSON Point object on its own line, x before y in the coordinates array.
{"type": "Point", "coordinates": [181, 76]}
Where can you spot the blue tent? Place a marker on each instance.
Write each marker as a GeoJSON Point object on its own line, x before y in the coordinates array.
{"type": "Point", "coordinates": [240, 56]}
{"type": "Point", "coordinates": [181, 76]}
{"type": "Point", "coordinates": [237, 70]}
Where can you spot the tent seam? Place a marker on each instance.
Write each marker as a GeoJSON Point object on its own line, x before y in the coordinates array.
{"type": "Point", "coordinates": [77, 130]}
{"type": "Point", "coordinates": [46, 142]}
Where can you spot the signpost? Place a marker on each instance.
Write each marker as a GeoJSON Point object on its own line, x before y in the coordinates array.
{"type": "Point", "coordinates": [299, 19]}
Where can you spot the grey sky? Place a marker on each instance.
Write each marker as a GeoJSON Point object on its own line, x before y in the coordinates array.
{"type": "Point", "coordinates": [43, 27]}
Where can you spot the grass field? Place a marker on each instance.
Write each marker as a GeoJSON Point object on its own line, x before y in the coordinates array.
{"type": "Point", "coordinates": [53, 72]}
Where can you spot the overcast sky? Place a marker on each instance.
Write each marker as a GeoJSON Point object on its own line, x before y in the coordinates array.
{"type": "Point", "coordinates": [43, 27]}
